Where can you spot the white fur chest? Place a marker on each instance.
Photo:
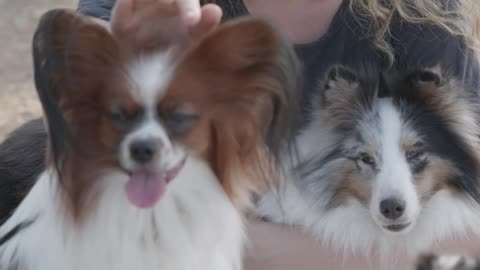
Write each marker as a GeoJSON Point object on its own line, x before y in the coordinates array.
{"type": "Point", "coordinates": [194, 226]}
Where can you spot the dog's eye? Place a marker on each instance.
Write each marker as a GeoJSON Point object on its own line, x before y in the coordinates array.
{"type": "Point", "coordinates": [177, 118]}
{"type": "Point", "coordinates": [118, 116]}
{"type": "Point", "coordinates": [417, 152]}
{"type": "Point", "coordinates": [414, 154]}
{"type": "Point", "coordinates": [178, 122]}
{"type": "Point", "coordinates": [123, 117]}
{"type": "Point", "coordinates": [367, 159]}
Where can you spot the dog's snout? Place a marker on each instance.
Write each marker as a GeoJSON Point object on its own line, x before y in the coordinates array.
{"type": "Point", "coordinates": [392, 208]}
{"type": "Point", "coordinates": [143, 151]}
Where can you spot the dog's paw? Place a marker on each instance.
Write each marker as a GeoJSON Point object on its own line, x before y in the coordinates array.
{"type": "Point", "coordinates": [448, 262]}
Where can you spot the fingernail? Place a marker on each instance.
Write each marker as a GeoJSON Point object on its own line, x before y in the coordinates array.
{"type": "Point", "coordinates": [191, 17]}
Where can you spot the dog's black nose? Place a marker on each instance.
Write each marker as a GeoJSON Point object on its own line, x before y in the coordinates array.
{"type": "Point", "coordinates": [143, 151]}
{"type": "Point", "coordinates": [392, 208]}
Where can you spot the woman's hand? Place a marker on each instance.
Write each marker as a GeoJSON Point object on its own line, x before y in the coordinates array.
{"type": "Point", "coordinates": [146, 23]}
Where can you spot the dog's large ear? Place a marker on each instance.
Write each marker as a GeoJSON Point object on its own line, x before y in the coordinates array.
{"type": "Point", "coordinates": [251, 78]}
{"type": "Point", "coordinates": [419, 82]}
{"type": "Point", "coordinates": [71, 52]}
{"type": "Point", "coordinates": [242, 45]}
{"type": "Point", "coordinates": [340, 85]}
{"type": "Point", "coordinates": [427, 77]}
{"type": "Point", "coordinates": [344, 91]}
{"type": "Point", "coordinates": [71, 56]}
{"type": "Point", "coordinates": [264, 69]}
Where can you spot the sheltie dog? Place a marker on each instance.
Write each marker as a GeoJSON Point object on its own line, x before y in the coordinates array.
{"type": "Point", "coordinates": [152, 155]}
{"type": "Point", "coordinates": [388, 163]}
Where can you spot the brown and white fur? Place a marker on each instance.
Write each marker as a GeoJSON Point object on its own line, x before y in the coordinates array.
{"type": "Point", "coordinates": [388, 165]}
{"type": "Point", "coordinates": [197, 124]}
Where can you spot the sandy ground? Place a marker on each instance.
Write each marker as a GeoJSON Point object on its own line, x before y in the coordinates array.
{"type": "Point", "coordinates": [18, 19]}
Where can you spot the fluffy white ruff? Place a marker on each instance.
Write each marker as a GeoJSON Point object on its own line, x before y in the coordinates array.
{"type": "Point", "coordinates": [194, 226]}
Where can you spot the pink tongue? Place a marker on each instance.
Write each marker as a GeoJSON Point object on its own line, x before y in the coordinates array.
{"type": "Point", "coordinates": [145, 190]}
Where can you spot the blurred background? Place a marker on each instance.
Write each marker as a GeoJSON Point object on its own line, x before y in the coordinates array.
{"type": "Point", "coordinates": [18, 19]}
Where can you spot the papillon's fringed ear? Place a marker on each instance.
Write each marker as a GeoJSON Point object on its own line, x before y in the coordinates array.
{"type": "Point", "coordinates": [260, 85]}
{"type": "Point", "coordinates": [253, 53]}
{"type": "Point", "coordinates": [241, 45]}
{"type": "Point", "coordinates": [70, 55]}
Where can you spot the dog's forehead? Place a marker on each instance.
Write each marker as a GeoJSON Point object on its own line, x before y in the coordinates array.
{"type": "Point", "coordinates": [385, 125]}
{"type": "Point", "coordinates": [369, 131]}
{"type": "Point", "coordinates": [150, 76]}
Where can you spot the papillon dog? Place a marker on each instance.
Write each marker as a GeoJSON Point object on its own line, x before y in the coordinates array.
{"type": "Point", "coordinates": [388, 165]}
{"type": "Point", "coordinates": [152, 155]}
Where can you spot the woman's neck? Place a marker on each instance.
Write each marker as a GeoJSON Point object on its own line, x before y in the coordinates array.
{"type": "Point", "coordinates": [301, 21]}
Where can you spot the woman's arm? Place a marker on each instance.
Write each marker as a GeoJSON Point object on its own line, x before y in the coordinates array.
{"type": "Point", "coordinates": [279, 247]}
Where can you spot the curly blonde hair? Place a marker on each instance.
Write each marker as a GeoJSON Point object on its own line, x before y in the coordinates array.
{"type": "Point", "coordinates": [458, 17]}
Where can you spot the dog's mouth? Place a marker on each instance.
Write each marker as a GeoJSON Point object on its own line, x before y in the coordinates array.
{"type": "Point", "coordinates": [145, 188]}
{"type": "Point", "coordinates": [397, 227]}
